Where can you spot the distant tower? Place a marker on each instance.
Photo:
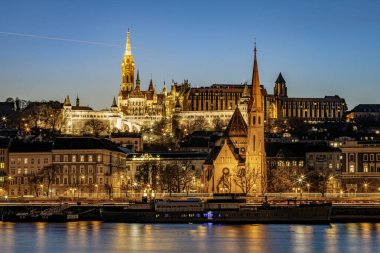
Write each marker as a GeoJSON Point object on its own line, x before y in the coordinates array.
{"type": "Point", "coordinates": [77, 101]}
{"type": "Point", "coordinates": [280, 89]}
{"type": "Point", "coordinates": [255, 156]}
{"type": "Point", "coordinates": [114, 105]}
{"type": "Point", "coordinates": [127, 72]}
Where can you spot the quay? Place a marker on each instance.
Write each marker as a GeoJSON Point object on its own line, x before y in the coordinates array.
{"type": "Point", "coordinates": [358, 211]}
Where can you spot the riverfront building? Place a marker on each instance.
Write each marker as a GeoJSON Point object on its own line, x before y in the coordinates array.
{"type": "Point", "coordinates": [360, 166]}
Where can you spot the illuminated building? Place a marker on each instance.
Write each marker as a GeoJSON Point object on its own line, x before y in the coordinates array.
{"type": "Point", "coordinates": [360, 166]}
{"type": "Point", "coordinates": [241, 155]}
{"type": "Point", "coordinates": [136, 108]}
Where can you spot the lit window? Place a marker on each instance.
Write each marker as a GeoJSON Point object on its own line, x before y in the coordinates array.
{"type": "Point", "coordinates": [73, 158]}
{"type": "Point", "coordinates": [82, 158]}
{"type": "Point", "coordinates": [25, 160]}
{"type": "Point", "coordinates": [90, 158]}
{"type": "Point", "coordinates": [365, 167]}
{"type": "Point", "coordinates": [352, 168]}
{"type": "Point", "coordinates": [99, 158]}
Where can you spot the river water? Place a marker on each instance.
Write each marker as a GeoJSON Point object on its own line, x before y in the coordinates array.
{"type": "Point", "coordinates": [119, 237]}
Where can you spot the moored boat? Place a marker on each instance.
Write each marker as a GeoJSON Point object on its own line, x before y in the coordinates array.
{"type": "Point", "coordinates": [217, 211]}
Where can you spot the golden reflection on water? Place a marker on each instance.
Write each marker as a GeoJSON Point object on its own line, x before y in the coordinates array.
{"type": "Point", "coordinates": [7, 228]}
{"type": "Point", "coordinates": [120, 237]}
{"type": "Point", "coordinates": [301, 237]}
{"type": "Point", "coordinates": [331, 239]}
{"type": "Point", "coordinates": [40, 228]}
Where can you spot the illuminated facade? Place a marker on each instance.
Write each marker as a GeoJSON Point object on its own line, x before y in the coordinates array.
{"type": "Point", "coordinates": [69, 167]}
{"type": "Point", "coordinates": [238, 164]}
{"type": "Point", "coordinates": [136, 108]}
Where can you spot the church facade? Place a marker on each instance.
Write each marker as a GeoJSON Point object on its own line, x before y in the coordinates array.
{"type": "Point", "coordinates": [238, 164]}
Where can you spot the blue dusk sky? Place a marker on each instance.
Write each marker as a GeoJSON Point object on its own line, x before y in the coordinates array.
{"type": "Point", "coordinates": [49, 49]}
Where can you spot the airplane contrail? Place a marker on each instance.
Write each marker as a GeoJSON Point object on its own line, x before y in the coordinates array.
{"type": "Point", "coordinates": [60, 39]}
{"type": "Point", "coordinates": [75, 41]}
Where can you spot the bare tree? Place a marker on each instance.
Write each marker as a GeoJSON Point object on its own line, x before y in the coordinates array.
{"type": "Point", "coordinates": [246, 179]}
{"type": "Point", "coordinates": [280, 179]}
{"type": "Point", "coordinates": [218, 124]}
{"type": "Point", "coordinates": [34, 181]}
{"type": "Point", "coordinates": [95, 127]}
{"type": "Point", "coordinates": [176, 177]}
{"type": "Point", "coordinates": [197, 124]}
{"type": "Point", "coordinates": [48, 174]}
{"type": "Point", "coordinates": [319, 179]}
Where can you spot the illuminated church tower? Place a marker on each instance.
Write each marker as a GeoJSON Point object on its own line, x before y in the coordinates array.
{"type": "Point", "coordinates": [127, 74]}
{"type": "Point", "coordinates": [255, 156]}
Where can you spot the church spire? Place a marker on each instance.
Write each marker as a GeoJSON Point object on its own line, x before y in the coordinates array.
{"type": "Point", "coordinates": [255, 99]}
{"type": "Point", "coordinates": [138, 78]}
{"type": "Point", "coordinates": [114, 102]}
{"type": "Point", "coordinates": [128, 45]}
{"type": "Point", "coordinates": [151, 87]}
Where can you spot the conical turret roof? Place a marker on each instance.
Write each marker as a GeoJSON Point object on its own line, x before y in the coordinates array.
{"type": "Point", "coordinates": [280, 79]}
{"type": "Point", "coordinates": [114, 102]}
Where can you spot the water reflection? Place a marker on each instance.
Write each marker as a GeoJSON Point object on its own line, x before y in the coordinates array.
{"type": "Point", "coordinates": [118, 237]}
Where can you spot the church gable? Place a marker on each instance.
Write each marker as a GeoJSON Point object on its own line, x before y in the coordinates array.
{"type": "Point", "coordinates": [227, 155]}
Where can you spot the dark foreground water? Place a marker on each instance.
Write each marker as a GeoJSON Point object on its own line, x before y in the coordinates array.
{"type": "Point", "coordinates": [119, 237]}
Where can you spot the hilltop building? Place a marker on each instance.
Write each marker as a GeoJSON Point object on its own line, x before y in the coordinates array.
{"type": "Point", "coordinates": [135, 108]}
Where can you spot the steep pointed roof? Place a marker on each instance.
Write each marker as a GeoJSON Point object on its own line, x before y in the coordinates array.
{"type": "Point", "coordinates": [237, 126]}
{"type": "Point", "coordinates": [138, 78]}
{"type": "Point", "coordinates": [280, 79]}
{"type": "Point", "coordinates": [255, 99]}
{"type": "Point", "coordinates": [151, 87]}
{"type": "Point", "coordinates": [114, 102]}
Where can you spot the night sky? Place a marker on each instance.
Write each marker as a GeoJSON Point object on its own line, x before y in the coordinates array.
{"type": "Point", "coordinates": [49, 49]}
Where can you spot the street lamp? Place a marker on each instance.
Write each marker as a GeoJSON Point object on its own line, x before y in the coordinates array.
{"type": "Point", "coordinates": [82, 184]}
{"type": "Point", "coordinates": [300, 181]}
{"type": "Point", "coordinates": [9, 184]}
{"type": "Point", "coordinates": [96, 189]}
{"type": "Point", "coordinates": [42, 189]}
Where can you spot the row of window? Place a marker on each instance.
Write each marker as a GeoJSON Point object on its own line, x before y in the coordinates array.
{"type": "Point", "coordinates": [78, 158]}
{"type": "Point", "coordinates": [366, 157]}
{"type": "Point", "coordinates": [65, 180]}
{"type": "Point", "coordinates": [323, 157]}
{"type": "Point", "coordinates": [64, 169]}
{"type": "Point", "coordinates": [26, 160]}
{"type": "Point", "coordinates": [371, 157]}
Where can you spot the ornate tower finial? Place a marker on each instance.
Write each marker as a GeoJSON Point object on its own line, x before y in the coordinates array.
{"type": "Point", "coordinates": [128, 45]}
{"type": "Point", "coordinates": [77, 102]}
{"type": "Point", "coordinates": [138, 78]}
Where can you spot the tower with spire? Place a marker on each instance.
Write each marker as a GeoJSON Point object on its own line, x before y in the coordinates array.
{"type": "Point", "coordinates": [127, 73]}
{"type": "Point", "coordinates": [255, 156]}
{"type": "Point", "coordinates": [280, 89]}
